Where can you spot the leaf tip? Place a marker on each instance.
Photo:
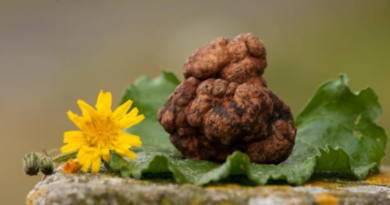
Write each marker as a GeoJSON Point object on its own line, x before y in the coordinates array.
{"type": "Point", "coordinates": [344, 78]}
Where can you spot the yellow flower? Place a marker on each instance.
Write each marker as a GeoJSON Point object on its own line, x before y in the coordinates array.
{"type": "Point", "coordinates": [102, 131]}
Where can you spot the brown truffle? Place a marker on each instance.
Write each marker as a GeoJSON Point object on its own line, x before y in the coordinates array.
{"type": "Point", "coordinates": [224, 105]}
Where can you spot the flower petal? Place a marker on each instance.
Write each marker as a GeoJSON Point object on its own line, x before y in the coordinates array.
{"type": "Point", "coordinates": [131, 155]}
{"type": "Point", "coordinates": [133, 112]}
{"type": "Point", "coordinates": [87, 153]}
{"type": "Point", "coordinates": [126, 153]}
{"type": "Point", "coordinates": [130, 120]}
{"type": "Point", "coordinates": [82, 156]}
{"type": "Point", "coordinates": [74, 137]}
{"type": "Point", "coordinates": [130, 139]}
{"type": "Point", "coordinates": [69, 148]}
{"type": "Point", "coordinates": [75, 140]}
{"type": "Point", "coordinates": [104, 102]}
{"type": "Point", "coordinates": [106, 155]}
{"type": "Point", "coordinates": [122, 110]}
{"type": "Point", "coordinates": [96, 164]}
{"type": "Point", "coordinates": [86, 165]}
{"type": "Point", "coordinates": [87, 162]}
{"type": "Point", "coordinates": [77, 120]}
{"type": "Point", "coordinates": [86, 109]}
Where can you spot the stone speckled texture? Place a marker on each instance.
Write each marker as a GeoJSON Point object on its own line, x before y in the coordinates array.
{"type": "Point", "coordinates": [105, 188]}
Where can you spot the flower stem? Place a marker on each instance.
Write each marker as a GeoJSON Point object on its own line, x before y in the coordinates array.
{"type": "Point", "coordinates": [65, 157]}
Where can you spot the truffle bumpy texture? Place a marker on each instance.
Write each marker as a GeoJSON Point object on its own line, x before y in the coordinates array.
{"type": "Point", "coordinates": [224, 105]}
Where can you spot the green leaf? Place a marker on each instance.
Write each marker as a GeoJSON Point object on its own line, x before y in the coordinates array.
{"type": "Point", "coordinates": [161, 163]}
{"type": "Point", "coordinates": [342, 125]}
{"type": "Point", "coordinates": [117, 163]}
{"type": "Point", "coordinates": [149, 95]}
{"type": "Point", "coordinates": [337, 132]}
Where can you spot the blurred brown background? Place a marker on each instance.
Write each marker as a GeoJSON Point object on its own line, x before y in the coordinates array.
{"type": "Point", "coordinates": [53, 53]}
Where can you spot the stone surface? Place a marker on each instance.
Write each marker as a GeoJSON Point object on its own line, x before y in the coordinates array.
{"type": "Point", "coordinates": [105, 188]}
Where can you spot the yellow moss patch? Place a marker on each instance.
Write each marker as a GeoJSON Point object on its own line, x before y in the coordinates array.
{"type": "Point", "coordinates": [326, 199]}
{"type": "Point", "coordinates": [379, 179]}
{"type": "Point", "coordinates": [235, 186]}
{"type": "Point", "coordinates": [225, 203]}
{"type": "Point", "coordinates": [196, 200]}
{"type": "Point", "coordinates": [324, 184]}
{"type": "Point", "coordinates": [32, 197]}
{"type": "Point", "coordinates": [224, 187]}
{"type": "Point", "coordinates": [279, 188]}
{"type": "Point", "coordinates": [110, 191]}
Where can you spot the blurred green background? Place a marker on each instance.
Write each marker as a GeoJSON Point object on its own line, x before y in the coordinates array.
{"type": "Point", "coordinates": [53, 53]}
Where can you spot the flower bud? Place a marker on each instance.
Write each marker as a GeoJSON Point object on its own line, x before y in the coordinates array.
{"type": "Point", "coordinates": [31, 164]}
{"type": "Point", "coordinates": [46, 165]}
{"type": "Point", "coordinates": [71, 166]}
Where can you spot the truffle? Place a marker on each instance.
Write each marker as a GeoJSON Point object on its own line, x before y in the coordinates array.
{"type": "Point", "coordinates": [224, 105]}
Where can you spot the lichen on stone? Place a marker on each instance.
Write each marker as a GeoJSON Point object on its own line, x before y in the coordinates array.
{"type": "Point", "coordinates": [108, 188]}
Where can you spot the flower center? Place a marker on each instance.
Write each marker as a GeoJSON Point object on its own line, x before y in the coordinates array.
{"type": "Point", "coordinates": [103, 132]}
